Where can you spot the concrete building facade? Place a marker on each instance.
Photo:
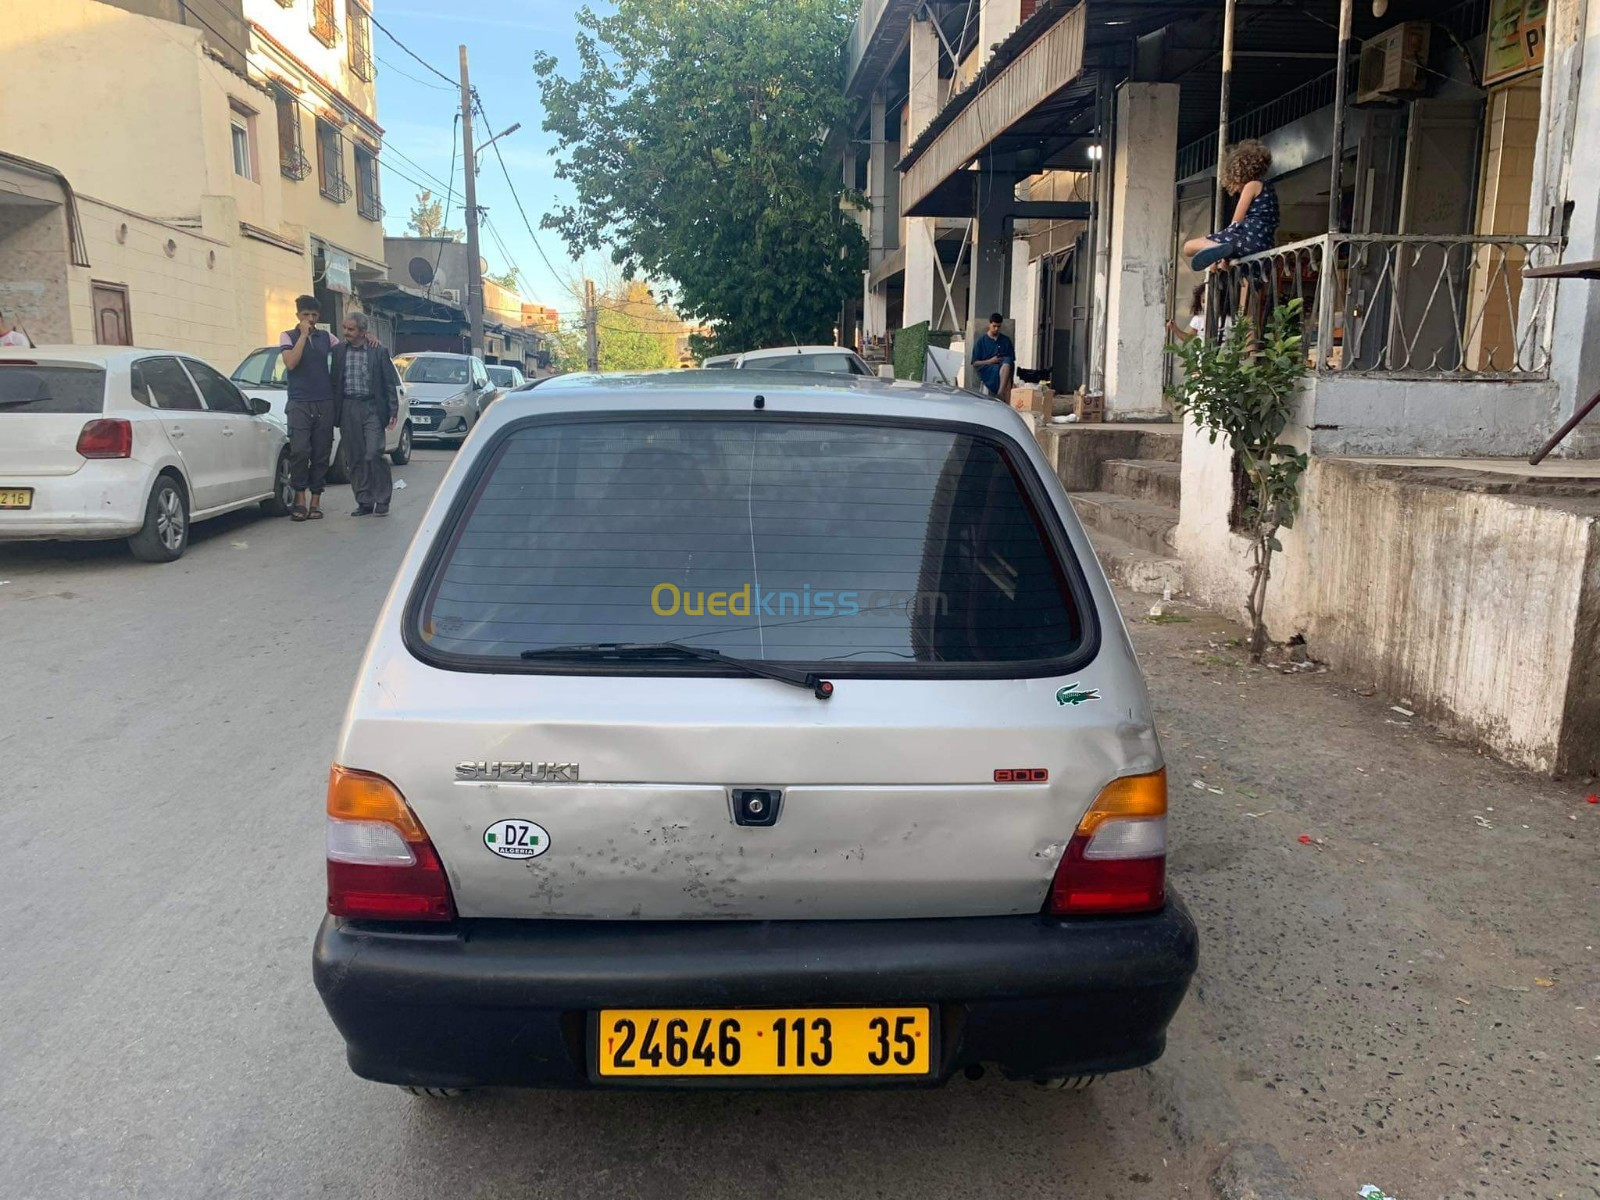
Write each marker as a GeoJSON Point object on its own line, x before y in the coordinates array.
{"type": "Point", "coordinates": [146, 195]}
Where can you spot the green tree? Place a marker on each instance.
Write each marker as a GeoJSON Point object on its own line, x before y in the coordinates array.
{"type": "Point", "coordinates": [427, 218]}
{"type": "Point", "coordinates": [1242, 389]}
{"type": "Point", "coordinates": [510, 279]}
{"type": "Point", "coordinates": [694, 135]}
{"type": "Point", "coordinates": [636, 332]}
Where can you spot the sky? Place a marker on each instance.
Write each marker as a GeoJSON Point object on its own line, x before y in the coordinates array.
{"type": "Point", "coordinates": [417, 112]}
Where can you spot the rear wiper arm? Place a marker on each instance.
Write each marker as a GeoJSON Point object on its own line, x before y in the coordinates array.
{"type": "Point", "coordinates": [638, 651]}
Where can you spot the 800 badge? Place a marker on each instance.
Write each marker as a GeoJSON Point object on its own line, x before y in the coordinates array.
{"type": "Point", "coordinates": [513, 838]}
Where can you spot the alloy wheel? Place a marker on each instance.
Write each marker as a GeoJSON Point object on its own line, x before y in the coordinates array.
{"type": "Point", "coordinates": [169, 518]}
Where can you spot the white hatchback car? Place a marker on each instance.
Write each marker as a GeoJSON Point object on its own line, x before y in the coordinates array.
{"type": "Point", "coordinates": [825, 360]}
{"type": "Point", "coordinates": [261, 376]}
{"type": "Point", "coordinates": [722, 731]}
{"type": "Point", "coordinates": [100, 443]}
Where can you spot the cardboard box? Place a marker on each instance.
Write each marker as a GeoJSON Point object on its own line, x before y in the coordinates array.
{"type": "Point", "coordinates": [1025, 398]}
{"type": "Point", "coordinates": [1089, 406]}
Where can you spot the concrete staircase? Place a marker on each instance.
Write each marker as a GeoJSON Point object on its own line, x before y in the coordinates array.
{"type": "Point", "coordinates": [1124, 481]}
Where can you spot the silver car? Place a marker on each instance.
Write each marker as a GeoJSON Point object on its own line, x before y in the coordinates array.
{"type": "Point", "coordinates": [732, 731]}
{"type": "Point", "coordinates": [447, 393]}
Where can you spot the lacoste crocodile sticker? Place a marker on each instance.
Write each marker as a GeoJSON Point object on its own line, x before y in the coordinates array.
{"type": "Point", "coordinates": [1071, 695]}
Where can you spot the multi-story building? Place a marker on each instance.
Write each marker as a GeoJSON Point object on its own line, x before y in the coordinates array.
{"type": "Point", "coordinates": [1048, 158]}
{"type": "Point", "coordinates": [174, 172]}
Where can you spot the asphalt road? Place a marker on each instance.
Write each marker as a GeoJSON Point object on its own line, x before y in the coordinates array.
{"type": "Point", "coordinates": [1369, 1009]}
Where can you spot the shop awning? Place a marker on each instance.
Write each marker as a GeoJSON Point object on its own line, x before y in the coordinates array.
{"type": "Point", "coordinates": [1026, 71]}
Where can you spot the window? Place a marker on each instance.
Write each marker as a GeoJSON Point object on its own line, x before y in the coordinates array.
{"type": "Point", "coordinates": [367, 203]}
{"type": "Point", "coordinates": [876, 548]}
{"type": "Point", "coordinates": [359, 30]}
{"type": "Point", "coordinates": [824, 364]}
{"type": "Point", "coordinates": [323, 25]}
{"type": "Point", "coordinates": [262, 369]}
{"type": "Point", "coordinates": [243, 125]}
{"type": "Point", "coordinates": [52, 388]}
{"type": "Point", "coordinates": [433, 370]}
{"type": "Point", "coordinates": [161, 383]}
{"type": "Point", "coordinates": [330, 162]}
{"type": "Point", "coordinates": [219, 395]}
{"type": "Point", "coordinates": [291, 155]}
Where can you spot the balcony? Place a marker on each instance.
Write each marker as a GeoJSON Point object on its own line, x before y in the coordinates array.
{"type": "Point", "coordinates": [1406, 306]}
{"type": "Point", "coordinates": [369, 206]}
{"type": "Point", "coordinates": [294, 164]}
{"type": "Point", "coordinates": [336, 189]}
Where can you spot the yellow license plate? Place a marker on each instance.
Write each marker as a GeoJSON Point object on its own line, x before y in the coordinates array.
{"type": "Point", "coordinates": [16, 497]}
{"type": "Point", "coordinates": [663, 1043]}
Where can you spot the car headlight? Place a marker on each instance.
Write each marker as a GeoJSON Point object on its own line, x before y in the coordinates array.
{"type": "Point", "coordinates": [455, 402]}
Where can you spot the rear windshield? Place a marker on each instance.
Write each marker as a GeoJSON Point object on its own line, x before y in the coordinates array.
{"type": "Point", "coordinates": [57, 388]}
{"type": "Point", "coordinates": [504, 376]}
{"type": "Point", "coordinates": [825, 364]}
{"type": "Point", "coordinates": [862, 545]}
{"type": "Point", "coordinates": [434, 370]}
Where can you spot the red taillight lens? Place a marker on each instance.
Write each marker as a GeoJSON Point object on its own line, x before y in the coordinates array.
{"type": "Point", "coordinates": [110, 437]}
{"type": "Point", "coordinates": [1117, 859]}
{"type": "Point", "coordinates": [381, 865]}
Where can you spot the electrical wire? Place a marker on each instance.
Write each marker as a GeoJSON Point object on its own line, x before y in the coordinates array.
{"type": "Point", "coordinates": [415, 56]}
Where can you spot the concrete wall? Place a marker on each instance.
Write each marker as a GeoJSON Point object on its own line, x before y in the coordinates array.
{"type": "Point", "coordinates": [1376, 416]}
{"type": "Point", "coordinates": [33, 270]}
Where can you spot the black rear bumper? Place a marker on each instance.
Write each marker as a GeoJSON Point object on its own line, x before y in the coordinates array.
{"type": "Point", "coordinates": [506, 1003]}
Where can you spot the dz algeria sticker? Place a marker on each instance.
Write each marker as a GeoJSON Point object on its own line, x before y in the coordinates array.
{"type": "Point", "coordinates": [1071, 695]}
{"type": "Point", "coordinates": [516, 839]}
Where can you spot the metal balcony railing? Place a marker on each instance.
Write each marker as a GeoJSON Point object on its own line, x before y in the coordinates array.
{"type": "Point", "coordinates": [1405, 306]}
{"type": "Point", "coordinates": [336, 189]}
{"type": "Point", "coordinates": [294, 164]}
{"type": "Point", "coordinates": [369, 206]}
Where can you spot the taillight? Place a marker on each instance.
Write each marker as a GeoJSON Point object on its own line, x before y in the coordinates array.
{"type": "Point", "coordinates": [1117, 859]}
{"type": "Point", "coordinates": [381, 865]}
{"type": "Point", "coordinates": [109, 437]}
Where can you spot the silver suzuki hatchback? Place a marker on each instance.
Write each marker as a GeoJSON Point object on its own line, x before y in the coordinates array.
{"type": "Point", "coordinates": [743, 729]}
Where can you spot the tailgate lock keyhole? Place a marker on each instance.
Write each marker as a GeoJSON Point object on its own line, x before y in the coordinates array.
{"type": "Point", "coordinates": [756, 806]}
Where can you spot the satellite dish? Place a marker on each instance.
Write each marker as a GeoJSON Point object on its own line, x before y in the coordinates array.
{"type": "Point", "coordinates": [483, 266]}
{"type": "Point", "coordinates": [421, 271]}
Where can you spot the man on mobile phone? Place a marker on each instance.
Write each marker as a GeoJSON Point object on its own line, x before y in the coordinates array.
{"type": "Point", "coordinates": [310, 408]}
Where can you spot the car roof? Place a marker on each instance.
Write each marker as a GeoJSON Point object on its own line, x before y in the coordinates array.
{"type": "Point", "coordinates": [95, 355]}
{"type": "Point", "coordinates": [784, 351]}
{"type": "Point", "coordinates": [781, 392]}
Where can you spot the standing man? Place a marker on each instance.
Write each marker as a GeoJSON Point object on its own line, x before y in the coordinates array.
{"type": "Point", "coordinates": [365, 381]}
{"type": "Point", "coordinates": [310, 410]}
{"type": "Point", "coordinates": [996, 360]}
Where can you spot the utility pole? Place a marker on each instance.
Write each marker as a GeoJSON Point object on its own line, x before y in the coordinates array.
{"type": "Point", "coordinates": [591, 325]}
{"type": "Point", "coordinates": [474, 267]}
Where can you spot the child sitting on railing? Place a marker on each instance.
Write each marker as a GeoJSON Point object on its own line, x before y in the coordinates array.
{"type": "Point", "coordinates": [1255, 217]}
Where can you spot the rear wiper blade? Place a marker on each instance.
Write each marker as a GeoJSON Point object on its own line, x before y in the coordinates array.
{"type": "Point", "coordinates": [643, 651]}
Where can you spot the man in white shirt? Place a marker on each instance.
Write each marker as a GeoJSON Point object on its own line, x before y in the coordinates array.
{"type": "Point", "coordinates": [10, 335]}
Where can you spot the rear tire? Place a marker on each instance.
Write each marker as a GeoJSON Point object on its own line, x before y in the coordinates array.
{"type": "Point", "coordinates": [433, 1093]}
{"type": "Point", "coordinates": [338, 468]}
{"type": "Point", "coordinates": [1068, 1083]}
{"type": "Point", "coordinates": [282, 499]}
{"type": "Point", "coordinates": [165, 533]}
{"type": "Point", "coordinates": [401, 454]}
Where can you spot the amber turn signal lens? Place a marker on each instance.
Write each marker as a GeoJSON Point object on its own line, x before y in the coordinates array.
{"type": "Point", "coordinates": [363, 796]}
{"type": "Point", "coordinates": [1130, 796]}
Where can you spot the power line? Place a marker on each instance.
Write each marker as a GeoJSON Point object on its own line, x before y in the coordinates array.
{"type": "Point", "coordinates": [417, 57]}
{"type": "Point", "coordinates": [438, 87]}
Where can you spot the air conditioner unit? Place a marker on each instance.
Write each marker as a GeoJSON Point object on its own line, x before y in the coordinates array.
{"type": "Point", "coordinates": [450, 295]}
{"type": "Point", "coordinates": [1393, 64]}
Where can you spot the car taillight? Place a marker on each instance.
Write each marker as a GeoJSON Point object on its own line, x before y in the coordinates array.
{"type": "Point", "coordinates": [110, 437]}
{"type": "Point", "coordinates": [1117, 859]}
{"type": "Point", "coordinates": [381, 865]}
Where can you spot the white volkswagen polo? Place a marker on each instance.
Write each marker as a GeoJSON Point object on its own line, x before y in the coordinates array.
{"type": "Point", "coordinates": [105, 442]}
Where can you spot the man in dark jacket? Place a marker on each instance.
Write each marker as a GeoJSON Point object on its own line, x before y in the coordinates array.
{"type": "Point", "coordinates": [368, 393]}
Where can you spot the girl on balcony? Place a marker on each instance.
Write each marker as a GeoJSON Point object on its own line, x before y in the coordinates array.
{"type": "Point", "coordinates": [1255, 216]}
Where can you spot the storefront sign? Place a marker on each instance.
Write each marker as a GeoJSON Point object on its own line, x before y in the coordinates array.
{"type": "Point", "coordinates": [1516, 39]}
{"type": "Point", "coordinates": [336, 271]}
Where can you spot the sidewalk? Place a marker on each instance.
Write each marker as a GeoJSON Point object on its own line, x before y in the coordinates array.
{"type": "Point", "coordinates": [1412, 1000]}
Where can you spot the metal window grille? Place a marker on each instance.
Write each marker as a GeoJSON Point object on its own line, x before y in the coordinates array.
{"type": "Point", "coordinates": [324, 25]}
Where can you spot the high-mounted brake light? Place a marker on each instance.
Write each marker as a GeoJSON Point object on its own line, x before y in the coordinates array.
{"type": "Point", "coordinates": [381, 865]}
{"type": "Point", "coordinates": [108, 437]}
{"type": "Point", "coordinates": [1117, 859]}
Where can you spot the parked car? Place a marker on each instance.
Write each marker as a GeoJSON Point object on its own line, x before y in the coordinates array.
{"type": "Point", "coordinates": [720, 361]}
{"type": "Point", "coordinates": [825, 359]}
{"type": "Point", "coordinates": [448, 393]}
{"type": "Point", "coordinates": [711, 738]}
{"type": "Point", "coordinates": [261, 376]}
{"type": "Point", "coordinates": [505, 377]}
{"type": "Point", "coordinates": [99, 443]}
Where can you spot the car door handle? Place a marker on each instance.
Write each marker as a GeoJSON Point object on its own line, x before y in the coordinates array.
{"type": "Point", "coordinates": [175, 431]}
{"type": "Point", "coordinates": [227, 431]}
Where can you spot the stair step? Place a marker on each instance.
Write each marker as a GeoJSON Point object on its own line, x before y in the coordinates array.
{"type": "Point", "coordinates": [1143, 525]}
{"type": "Point", "coordinates": [1154, 480]}
{"type": "Point", "coordinates": [1135, 569]}
{"type": "Point", "coordinates": [1078, 450]}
